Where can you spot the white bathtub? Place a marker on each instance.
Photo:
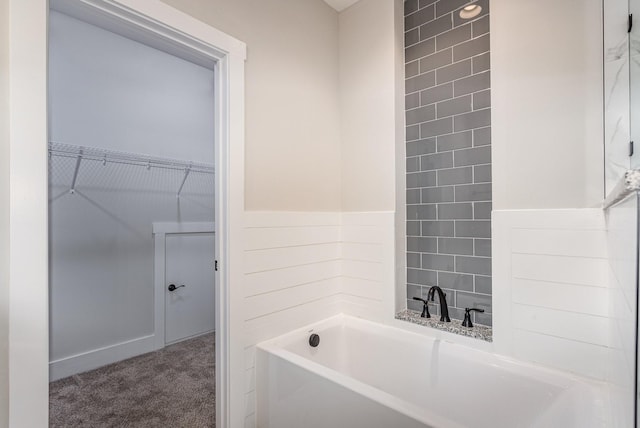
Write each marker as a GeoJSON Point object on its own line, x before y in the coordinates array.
{"type": "Point", "coordinates": [364, 374]}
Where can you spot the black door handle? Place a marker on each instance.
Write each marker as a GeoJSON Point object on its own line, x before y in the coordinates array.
{"type": "Point", "coordinates": [172, 287]}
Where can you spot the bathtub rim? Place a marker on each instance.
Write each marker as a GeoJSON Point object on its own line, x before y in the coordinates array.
{"type": "Point", "coordinates": [485, 354]}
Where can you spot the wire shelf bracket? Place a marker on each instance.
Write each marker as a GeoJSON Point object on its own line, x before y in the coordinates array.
{"type": "Point", "coordinates": [72, 190]}
{"type": "Point", "coordinates": [187, 170]}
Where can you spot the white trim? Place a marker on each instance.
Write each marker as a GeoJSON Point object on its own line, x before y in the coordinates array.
{"type": "Point", "coordinates": [28, 225]}
{"type": "Point", "coordinates": [93, 359]}
{"type": "Point", "coordinates": [159, 255]}
{"type": "Point", "coordinates": [28, 240]}
{"type": "Point", "coordinates": [162, 228]}
{"type": "Point", "coordinates": [160, 232]}
{"type": "Point", "coordinates": [149, 23]}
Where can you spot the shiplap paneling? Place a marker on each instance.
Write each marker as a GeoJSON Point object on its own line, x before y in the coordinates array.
{"type": "Point", "coordinates": [368, 254]}
{"type": "Point", "coordinates": [577, 243]}
{"type": "Point", "coordinates": [567, 297]}
{"type": "Point", "coordinates": [286, 257]}
{"type": "Point", "coordinates": [292, 277]}
{"type": "Point", "coordinates": [288, 298]}
{"type": "Point", "coordinates": [551, 289]}
{"type": "Point", "coordinates": [622, 236]}
{"type": "Point", "coordinates": [573, 356]}
{"type": "Point", "coordinates": [560, 268]}
{"type": "Point", "coordinates": [304, 267]}
{"type": "Point", "coordinates": [563, 324]}
{"type": "Point", "coordinates": [283, 278]}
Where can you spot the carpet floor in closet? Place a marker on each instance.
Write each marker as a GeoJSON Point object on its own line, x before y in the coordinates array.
{"type": "Point", "coordinates": [173, 387]}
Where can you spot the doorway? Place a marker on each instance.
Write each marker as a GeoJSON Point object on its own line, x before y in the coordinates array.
{"type": "Point", "coordinates": [131, 143]}
{"type": "Point", "coordinates": [28, 319]}
{"type": "Point", "coordinates": [28, 264]}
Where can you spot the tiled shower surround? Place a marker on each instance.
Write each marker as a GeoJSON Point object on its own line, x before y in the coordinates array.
{"type": "Point", "coordinates": [448, 142]}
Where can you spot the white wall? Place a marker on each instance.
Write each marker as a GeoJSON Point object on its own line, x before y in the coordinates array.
{"type": "Point", "coordinates": [292, 111]}
{"type": "Point", "coordinates": [622, 238]}
{"type": "Point", "coordinates": [551, 289]}
{"type": "Point", "coordinates": [4, 214]}
{"type": "Point", "coordinates": [565, 296]}
{"type": "Point", "coordinates": [131, 98]}
{"type": "Point", "coordinates": [368, 105]}
{"type": "Point", "coordinates": [292, 265]}
{"type": "Point", "coordinates": [128, 97]}
{"type": "Point", "coordinates": [367, 256]}
{"type": "Point", "coordinates": [546, 92]}
{"type": "Point", "coordinates": [371, 48]}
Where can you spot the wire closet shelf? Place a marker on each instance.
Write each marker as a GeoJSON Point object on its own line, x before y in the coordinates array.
{"type": "Point", "coordinates": [92, 154]}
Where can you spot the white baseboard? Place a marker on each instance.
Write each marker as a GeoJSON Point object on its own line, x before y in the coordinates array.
{"type": "Point", "coordinates": [79, 363]}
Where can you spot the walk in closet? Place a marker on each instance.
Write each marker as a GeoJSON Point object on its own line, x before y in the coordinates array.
{"type": "Point", "coordinates": [131, 207]}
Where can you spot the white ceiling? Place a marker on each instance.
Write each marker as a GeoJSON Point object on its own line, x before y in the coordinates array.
{"type": "Point", "coordinates": [340, 5]}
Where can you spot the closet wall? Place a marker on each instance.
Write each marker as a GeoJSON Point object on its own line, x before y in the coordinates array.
{"type": "Point", "coordinates": [109, 92]}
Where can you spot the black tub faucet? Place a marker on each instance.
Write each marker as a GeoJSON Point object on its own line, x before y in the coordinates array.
{"type": "Point", "coordinates": [467, 316]}
{"type": "Point", "coordinates": [444, 309]}
{"type": "Point", "coordinates": [425, 307]}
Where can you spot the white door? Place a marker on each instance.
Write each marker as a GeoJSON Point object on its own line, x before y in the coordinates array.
{"type": "Point", "coordinates": [189, 288]}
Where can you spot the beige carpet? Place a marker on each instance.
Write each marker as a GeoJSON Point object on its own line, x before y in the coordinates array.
{"type": "Point", "coordinates": [173, 387]}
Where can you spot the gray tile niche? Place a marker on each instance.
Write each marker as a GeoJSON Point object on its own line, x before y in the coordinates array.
{"type": "Point", "coordinates": [448, 118]}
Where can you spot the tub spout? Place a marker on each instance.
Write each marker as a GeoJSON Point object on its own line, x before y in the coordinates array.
{"type": "Point", "coordinates": [444, 309]}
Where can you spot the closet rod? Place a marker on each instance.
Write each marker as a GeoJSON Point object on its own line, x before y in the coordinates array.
{"type": "Point", "coordinates": [110, 156]}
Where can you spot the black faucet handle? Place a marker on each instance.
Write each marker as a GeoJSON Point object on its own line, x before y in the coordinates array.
{"type": "Point", "coordinates": [467, 316]}
{"type": "Point", "coordinates": [425, 307]}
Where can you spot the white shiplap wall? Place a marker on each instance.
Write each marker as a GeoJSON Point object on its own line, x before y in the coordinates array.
{"type": "Point", "coordinates": [621, 221]}
{"type": "Point", "coordinates": [291, 278]}
{"type": "Point", "coordinates": [368, 254]}
{"type": "Point", "coordinates": [551, 290]}
{"type": "Point", "coordinates": [302, 267]}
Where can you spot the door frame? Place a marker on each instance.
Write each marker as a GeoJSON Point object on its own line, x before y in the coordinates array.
{"type": "Point", "coordinates": [28, 191]}
{"type": "Point", "coordinates": [160, 232]}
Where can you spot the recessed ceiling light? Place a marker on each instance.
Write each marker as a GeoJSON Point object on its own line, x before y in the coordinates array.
{"type": "Point", "coordinates": [470, 11]}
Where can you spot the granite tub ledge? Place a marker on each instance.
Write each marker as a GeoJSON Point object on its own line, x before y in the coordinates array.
{"type": "Point", "coordinates": [455, 326]}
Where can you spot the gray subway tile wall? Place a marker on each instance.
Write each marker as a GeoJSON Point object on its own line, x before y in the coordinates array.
{"type": "Point", "coordinates": [447, 177]}
{"type": "Point", "coordinates": [460, 140]}
{"type": "Point", "coordinates": [481, 63]}
{"type": "Point", "coordinates": [448, 118]}
{"type": "Point", "coordinates": [453, 71]}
